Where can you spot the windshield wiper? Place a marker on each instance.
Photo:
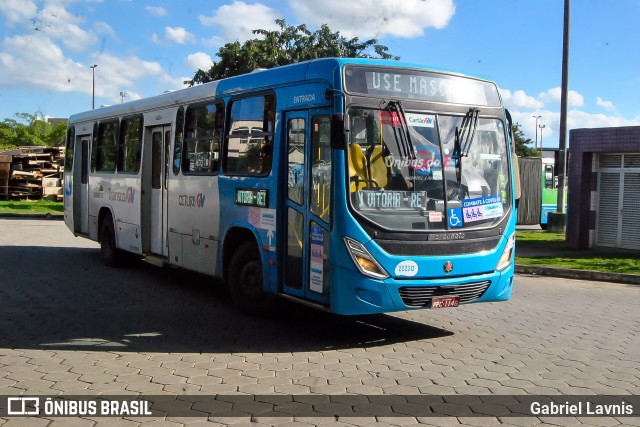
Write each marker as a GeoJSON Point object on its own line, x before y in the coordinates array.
{"type": "Point", "coordinates": [404, 141]}
{"type": "Point", "coordinates": [464, 139]}
{"type": "Point", "coordinates": [467, 130]}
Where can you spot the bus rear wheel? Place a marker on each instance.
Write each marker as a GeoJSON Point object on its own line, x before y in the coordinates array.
{"type": "Point", "coordinates": [111, 255]}
{"type": "Point", "coordinates": [246, 281]}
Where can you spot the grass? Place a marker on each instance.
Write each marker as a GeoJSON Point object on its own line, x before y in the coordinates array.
{"type": "Point", "coordinates": [31, 207]}
{"type": "Point", "coordinates": [538, 237]}
{"type": "Point", "coordinates": [627, 264]}
{"type": "Point", "coordinates": [599, 259]}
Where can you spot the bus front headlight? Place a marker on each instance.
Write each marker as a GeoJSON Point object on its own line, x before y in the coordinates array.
{"type": "Point", "coordinates": [507, 254]}
{"type": "Point", "coordinates": [364, 261]}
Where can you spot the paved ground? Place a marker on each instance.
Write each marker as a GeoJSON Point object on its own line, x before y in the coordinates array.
{"type": "Point", "coordinates": [70, 325]}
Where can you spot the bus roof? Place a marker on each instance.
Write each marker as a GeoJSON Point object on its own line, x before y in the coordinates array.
{"type": "Point", "coordinates": [164, 100]}
{"type": "Point", "coordinates": [320, 68]}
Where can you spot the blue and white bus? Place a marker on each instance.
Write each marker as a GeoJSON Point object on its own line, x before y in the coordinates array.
{"type": "Point", "coordinates": [351, 185]}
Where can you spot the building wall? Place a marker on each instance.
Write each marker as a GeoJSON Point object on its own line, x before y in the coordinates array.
{"type": "Point", "coordinates": [585, 144]}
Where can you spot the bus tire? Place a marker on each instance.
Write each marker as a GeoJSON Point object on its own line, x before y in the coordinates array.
{"type": "Point", "coordinates": [246, 281]}
{"type": "Point", "coordinates": [111, 255]}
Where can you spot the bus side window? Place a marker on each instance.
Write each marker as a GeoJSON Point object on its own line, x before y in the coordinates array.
{"type": "Point", "coordinates": [201, 147]}
{"type": "Point", "coordinates": [548, 178]}
{"type": "Point", "coordinates": [249, 148]}
{"type": "Point", "coordinates": [107, 145]}
{"type": "Point", "coordinates": [177, 146]}
{"type": "Point", "coordinates": [321, 167]}
{"type": "Point", "coordinates": [296, 141]}
{"type": "Point", "coordinates": [130, 148]}
{"type": "Point", "coordinates": [68, 153]}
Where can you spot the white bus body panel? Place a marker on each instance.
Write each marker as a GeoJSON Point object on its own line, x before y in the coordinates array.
{"type": "Point", "coordinates": [194, 222]}
{"type": "Point", "coordinates": [188, 229]}
{"type": "Point", "coordinates": [121, 195]}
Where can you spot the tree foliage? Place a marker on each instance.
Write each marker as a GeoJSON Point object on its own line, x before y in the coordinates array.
{"type": "Point", "coordinates": [287, 45]}
{"type": "Point", "coordinates": [31, 130]}
{"type": "Point", "coordinates": [522, 143]}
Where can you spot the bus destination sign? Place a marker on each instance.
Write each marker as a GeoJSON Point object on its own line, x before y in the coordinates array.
{"type": "Point", "coordinates": [420, 85]}
{"type": "Point", "coordinates": [257, 198]}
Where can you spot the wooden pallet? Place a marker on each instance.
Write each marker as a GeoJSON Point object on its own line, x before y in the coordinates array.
{"type": "Point", "coordinates": [28, 170]}
{"type": "Point", "coordinates": [5, 174]}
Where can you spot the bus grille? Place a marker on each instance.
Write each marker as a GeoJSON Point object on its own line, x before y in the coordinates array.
{"type": "Point", "coordinates": [420, 296]}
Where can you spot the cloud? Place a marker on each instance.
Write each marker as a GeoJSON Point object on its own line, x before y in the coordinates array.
{"type": "Point", "coordinates": [36, 61]}
{"type": "Point", "coordinates": [16, 11]}
{"type": "Point", "coordinates": [115, 74]}
{"type": "Point", "coordinates": [576, 119]}
{"type": "Point", "coordinates": [39, 57]}
{"type": "Point", "coordinates": [176, 83]}
{"type": "Point", "coordinates": [199, 60]}
{"type": "Point", "coordinates": [553, 96]}
{"type": "Point", "coordinates": [605, 104]}
{"type": "Point", "coordinates": [105, 29]}
{"type": "Point", "coordinates": [238, 19]}
{"type": "Point", "coordinates": [57, 23]}
{"type": "Point", "coordinates": [177, 35]}
{"type": "Point", "coordinates": [156, 11]}
{"type": "Point", "coordinates": [580, 119]}
{"type": "Point", "coordinates": [213, 43]}
{"type": "Point", "coordinates": [519, 99]}
{"type": "Point", "coordinates": [375, 18]}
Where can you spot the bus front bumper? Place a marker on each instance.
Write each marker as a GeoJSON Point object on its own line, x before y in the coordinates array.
{"type": "Point", "coordinates": [352, 293]}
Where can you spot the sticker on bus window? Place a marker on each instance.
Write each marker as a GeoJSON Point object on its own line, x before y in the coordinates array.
{"type": "Point", "coordinates": [454, 218]}
{"type": "Point", "coordinates": [420, 120]}
{"type": "Point", "coordinates": [481, 208]}
{"type": "Point", "coordinates": [387, 118]}
{"type": "Point", "coordinates": [316, 274]}
{"type": "Point", "coordinates": [435, 216]}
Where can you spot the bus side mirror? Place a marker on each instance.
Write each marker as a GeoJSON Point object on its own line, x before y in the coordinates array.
{"type": "Point", "coordinates": [337, 131]}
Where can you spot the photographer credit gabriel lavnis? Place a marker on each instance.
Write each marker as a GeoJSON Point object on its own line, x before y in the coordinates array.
{"type": "Point", "coordinates": [581, 408]}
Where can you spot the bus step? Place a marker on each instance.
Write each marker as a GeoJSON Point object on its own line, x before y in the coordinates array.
{"type": "Point", "coordinates": [156, 260]}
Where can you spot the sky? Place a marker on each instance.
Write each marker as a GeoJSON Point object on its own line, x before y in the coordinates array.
{"type": "Point", "coordinates": [145, 47]}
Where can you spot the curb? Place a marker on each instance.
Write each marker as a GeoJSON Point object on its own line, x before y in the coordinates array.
{"type": "Point", "coordinates": [56, 217]}
{"type": "Point", "coordinates": [567, 273]}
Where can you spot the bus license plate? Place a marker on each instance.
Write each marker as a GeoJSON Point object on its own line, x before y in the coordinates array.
{"type": "Point", "coordinates": [444, 302]}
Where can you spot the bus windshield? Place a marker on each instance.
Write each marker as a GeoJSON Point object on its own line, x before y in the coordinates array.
{"type": "Point", "coordinates": [408, 170]}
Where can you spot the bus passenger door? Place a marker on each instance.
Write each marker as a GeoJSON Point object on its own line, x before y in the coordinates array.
{"type": "Point", "coordinates": [81, 187]}
{"type": "Point", "coordinates": [160, 140]}
{"type": "Point", "coordinates": [304, 271]}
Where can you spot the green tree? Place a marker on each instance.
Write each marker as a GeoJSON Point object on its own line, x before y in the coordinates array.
{"type": "Point", "coordinates": [31, 130]}
{"type": "Point", "coordinates": [522, 143]}
{"type": "Point", "coordinates": [287, 45]}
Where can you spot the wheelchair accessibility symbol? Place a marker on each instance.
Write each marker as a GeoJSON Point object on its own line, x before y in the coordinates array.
{"type": "Point", "coordinates": [455, 217]}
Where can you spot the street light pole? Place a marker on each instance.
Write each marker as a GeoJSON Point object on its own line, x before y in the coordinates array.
{"type": "Point", "coordinates": [562, 156]}
{"type": "Point", "coordinates": [537, 117]}
{"type": "Point", "coordinates": [93, 81]}
{"type": "Point", "coordinates": [557, 221]}
{"type": "Point", "coordinates": [541, 127]}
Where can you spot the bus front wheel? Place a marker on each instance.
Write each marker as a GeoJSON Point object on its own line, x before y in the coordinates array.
{"type": "Point", "coordinates": [111, 255]}
{"type": "Point", "coordinates": [246, 281]}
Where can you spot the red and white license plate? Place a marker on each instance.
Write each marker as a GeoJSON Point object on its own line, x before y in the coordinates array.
{"type": "Point", "coordinates": [444, 302]}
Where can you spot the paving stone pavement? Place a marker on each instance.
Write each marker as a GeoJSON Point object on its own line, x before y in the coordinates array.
{"type": "Point", "coordinates": [71, 326]}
